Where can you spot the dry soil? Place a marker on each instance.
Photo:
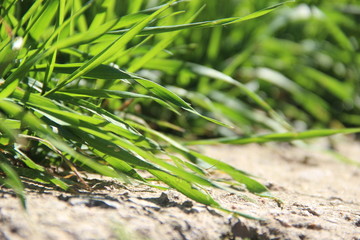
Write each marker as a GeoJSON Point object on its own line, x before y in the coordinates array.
{"type": "Point", "coordinates": [320, 195]}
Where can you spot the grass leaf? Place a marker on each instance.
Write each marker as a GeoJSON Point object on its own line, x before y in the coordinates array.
{"type": "Point", "coordinates": [277, 137]}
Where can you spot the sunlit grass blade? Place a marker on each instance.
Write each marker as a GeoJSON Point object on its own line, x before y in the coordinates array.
{"type": "Point", "coordinates": [212, 23]}
{"type": "Point", "coordinates": [38, 172]}
{"type": "Point", "coordinates": [238, 175]}
{"type": "Point", "coordinates": [342, 158]}
{"type": "Point", "coordinates": [277, 137]}
{"type": "Point", "coordinates": [102, 93]}
{"type": "Point", "coordinates": [68, 95]}
{"type": "Point", "coordinates": [165, 138]}
{"type": "Point", "coordinates": [171, 142]}
{"type": "Point", "coordinates": [240, 214]}
{"type": "Point", "coordinates": [9, 128]}
{"type": "Point", "coordinates": [120, 165]}
{"type": "Point", "coordinates": [45, 178]}
{"type": "Point", "coordinates": [8, 89]}
{"type": "Point", "coordinates": [13, 181]}
{"type": "Point", "coordinates": [44, 19]}
{"type": "Point", "coordinates": [102, 71]}
{"type": "Point", "coordinates": [184, 164]}
{"type": "Point", "coordinates": [8, 53]}
{"type": "Point", "coordinates": [186, 188]}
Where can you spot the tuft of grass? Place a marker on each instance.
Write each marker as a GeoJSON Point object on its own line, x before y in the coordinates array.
{"type": "Point", "coordinates": [105, 87]}
{"type": "Point", "coordinates": [63, 94]}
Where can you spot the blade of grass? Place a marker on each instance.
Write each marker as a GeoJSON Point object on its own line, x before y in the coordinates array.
{"type": "Point", "coordinates": [44, 20]}
{"type": "Point", "coordinates": [101, 71]}
{"type": "Point", "coordinates": [206, 24]}
{"type": "Point", "coordinates": [288, 136]}
{"type": "Point", "coordinates": [38, 172]}
{"type": "Point", "coordinates": [13, 181]}
{"type": "Point", "coordinates": [240, 176]}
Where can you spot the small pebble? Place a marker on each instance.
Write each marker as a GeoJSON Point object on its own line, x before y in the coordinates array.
{"type": "Point", "coordinates": [187, 204]}
{"type": "Point", "coordinates": [357, 223]}
{"type": "Point", "coordinates": [314, 226]}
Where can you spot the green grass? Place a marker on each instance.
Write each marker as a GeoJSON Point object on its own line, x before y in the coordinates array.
{"type": "Point", "coordinates": [108, 85]}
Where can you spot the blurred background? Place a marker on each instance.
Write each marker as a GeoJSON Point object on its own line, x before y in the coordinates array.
{"type": "Point", "coordinates": [302, 59]}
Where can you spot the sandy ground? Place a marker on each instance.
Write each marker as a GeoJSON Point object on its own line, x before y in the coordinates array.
{"type": "Point", "coordinates": [321, 200]}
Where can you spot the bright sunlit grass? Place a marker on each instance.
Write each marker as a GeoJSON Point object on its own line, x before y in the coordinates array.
{"type": "Point", "coordinates": [104, 88]}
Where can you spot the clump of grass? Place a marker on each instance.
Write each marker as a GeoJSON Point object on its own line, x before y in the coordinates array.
{"type": "Point", "coordinates": [81, 89]}
{"type": "Point", "coordinates": [302, 60]}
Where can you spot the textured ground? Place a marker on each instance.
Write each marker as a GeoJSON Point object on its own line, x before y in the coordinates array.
{"type": "Point", "coordinates": [321, 200]}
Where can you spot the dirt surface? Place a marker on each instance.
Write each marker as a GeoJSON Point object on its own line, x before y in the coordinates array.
{"type": "Point", "coordinates": [321, 200]}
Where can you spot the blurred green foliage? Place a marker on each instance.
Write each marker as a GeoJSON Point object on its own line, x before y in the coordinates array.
{"type": "Point", "coordinates": [302, 59]}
